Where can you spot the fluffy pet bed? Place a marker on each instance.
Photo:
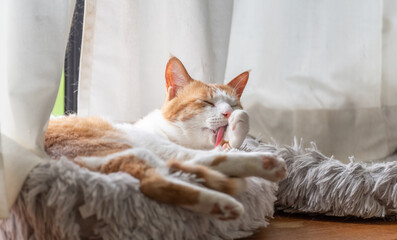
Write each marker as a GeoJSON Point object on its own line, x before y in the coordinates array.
{"type": "Point", "coordinates": [62, 201]}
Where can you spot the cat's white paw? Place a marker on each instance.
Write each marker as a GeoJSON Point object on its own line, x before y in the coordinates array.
{"type": "Point", "coordinates": [220, 206]}
{"type": "Point", "coordinates": [227, 211]}
{"type": "Point", "coordinates": [260, 164]}
{"type": "Point", "coordinates": [246, 164]}
{"type": "Point", "coordinates": [238, 128]}
{"type": "Point", "coordinates": [273, 167]}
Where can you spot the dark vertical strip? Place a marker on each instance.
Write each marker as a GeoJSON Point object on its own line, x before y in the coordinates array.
{"type": "Point", "coordinates": [72, 58]}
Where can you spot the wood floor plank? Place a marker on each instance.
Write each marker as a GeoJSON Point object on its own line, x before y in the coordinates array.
{"type": "Point", "coordinates": [299, 227]}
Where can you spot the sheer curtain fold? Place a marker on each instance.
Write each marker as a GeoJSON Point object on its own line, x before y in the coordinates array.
{"type": "Point", "coordinates": [321, 70]}
{"type": "Point", "coordinates": [126, 45]}
{"type": "Point", "coordinates": [33, 39]}
{"type": "Point", "coordinates": [318, 72]}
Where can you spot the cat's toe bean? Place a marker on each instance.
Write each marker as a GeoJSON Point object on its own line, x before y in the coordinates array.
{"type": "Point", "coordinates": [281, 173]}
{"type": "Point", "coordinates": [270, 161]}
{"type": "Point", "coordinates": [274, 167]}
{"type": "Point", "coordinates": [227, 211]}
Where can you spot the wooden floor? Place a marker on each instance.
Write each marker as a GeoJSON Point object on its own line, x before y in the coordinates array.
{"type": "Point", "coordinates": [299, 227]}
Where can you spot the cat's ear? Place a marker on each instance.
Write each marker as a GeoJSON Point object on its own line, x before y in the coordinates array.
{"type": "Point", "coordinates": [176, 77]}
{"type": "Point", "coordinates": [239, 82]}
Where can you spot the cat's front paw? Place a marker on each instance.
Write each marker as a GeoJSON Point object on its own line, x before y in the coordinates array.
{"type": "Point", "coordinates": [238, 128]}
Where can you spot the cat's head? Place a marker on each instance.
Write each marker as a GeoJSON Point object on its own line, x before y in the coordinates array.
{"type": "Point", "coordinates": [200, 110]}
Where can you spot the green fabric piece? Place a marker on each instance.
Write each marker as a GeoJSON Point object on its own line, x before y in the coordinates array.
{"type": "Point", "coordinates": [59, 107]}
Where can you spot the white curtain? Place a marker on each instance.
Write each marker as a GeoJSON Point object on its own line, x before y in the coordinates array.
{"type": "Point", "coordinates": [33, 36]}
{"type": "Point", "coordinates": [321, 70]}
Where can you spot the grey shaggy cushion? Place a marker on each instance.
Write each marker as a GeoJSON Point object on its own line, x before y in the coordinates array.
{"type": "Point", "coordinates": [317, 184]}
{"type": "Point", "coordinates": [321, 185]}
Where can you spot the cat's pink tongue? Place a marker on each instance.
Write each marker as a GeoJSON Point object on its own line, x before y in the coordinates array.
{"type": "Point", "coordinates": [219, 135]}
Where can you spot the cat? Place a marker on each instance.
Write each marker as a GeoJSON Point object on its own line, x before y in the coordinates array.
{"type": "Point", "coordinates": [192, 133]}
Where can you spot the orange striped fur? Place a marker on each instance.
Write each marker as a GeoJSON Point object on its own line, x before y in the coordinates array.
{"type": "Point", "coordinates": [74, 136]}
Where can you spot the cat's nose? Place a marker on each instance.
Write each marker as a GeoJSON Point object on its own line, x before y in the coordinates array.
{"type": "Point", "coordinates": [227, 114]}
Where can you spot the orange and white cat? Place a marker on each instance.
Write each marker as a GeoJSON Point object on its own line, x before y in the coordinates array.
{"type": "Point", "coordinates": [189, 134]}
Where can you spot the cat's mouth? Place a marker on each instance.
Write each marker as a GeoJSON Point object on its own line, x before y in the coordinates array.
{"type": "Point", "coordinates": [219, 134]}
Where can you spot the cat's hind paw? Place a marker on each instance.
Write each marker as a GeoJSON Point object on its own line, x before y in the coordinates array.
{"type": "Point", "coordinates": [226, 212]}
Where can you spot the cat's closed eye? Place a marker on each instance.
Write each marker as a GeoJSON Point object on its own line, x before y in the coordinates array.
{"type": "Point", "coordinates": [208, 103]}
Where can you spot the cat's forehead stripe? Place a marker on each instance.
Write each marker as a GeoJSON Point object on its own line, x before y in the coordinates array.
{"type": "Point", "coordinates": [228, 90]}
{"type": "Point", "coordinates": [225, 94]}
